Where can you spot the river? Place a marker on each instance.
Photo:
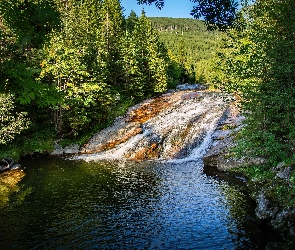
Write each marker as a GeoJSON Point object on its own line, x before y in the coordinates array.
{"type": "Point", "coordinates": [63, 204]}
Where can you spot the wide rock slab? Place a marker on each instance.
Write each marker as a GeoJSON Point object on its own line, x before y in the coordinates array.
{"type": "Point", "coordinates": [170, 126]}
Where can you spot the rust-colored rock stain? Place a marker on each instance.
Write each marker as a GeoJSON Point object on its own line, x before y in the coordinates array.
{"type": "Point", "coordinates": [112, 144]}
{"type": "Point", "coordinates": [150, 110]}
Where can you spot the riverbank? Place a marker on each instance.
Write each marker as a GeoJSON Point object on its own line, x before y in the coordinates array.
{"type": "Point", "coordinates": [141, 135]}
{"type": "Point", "coordinates": [272, 188]}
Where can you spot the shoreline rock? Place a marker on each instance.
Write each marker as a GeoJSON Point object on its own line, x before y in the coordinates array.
{"type": "Point", "coordinates": [223, 140]}
{"type": "Point", "coordinates": [69, 150]}
{"type": "Point", "coordinates": [219, 160]}
{"type": "Point", "coordinates": [7, 164]}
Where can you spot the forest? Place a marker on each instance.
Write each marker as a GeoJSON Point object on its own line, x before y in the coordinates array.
{"type": "Point", "coordinates": [68, 68]}
{"type": "Point", "coordinates": [189, 44]}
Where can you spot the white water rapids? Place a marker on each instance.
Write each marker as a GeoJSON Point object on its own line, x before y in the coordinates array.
{"type": "Point", "coordinates": [182, 131]}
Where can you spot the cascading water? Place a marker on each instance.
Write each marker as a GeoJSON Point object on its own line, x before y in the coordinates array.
{"type": "Point", "coordinates": [180, 130]}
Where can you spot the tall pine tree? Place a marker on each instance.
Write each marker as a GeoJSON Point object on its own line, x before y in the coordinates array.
{"type": "Point", "coordinates": [112, 32]}
{"type": "Point", "coordinates": [153, 56]}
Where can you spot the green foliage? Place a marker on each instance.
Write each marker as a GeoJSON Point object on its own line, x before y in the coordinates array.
{"type": "Point", "coordinates": [11, 122]}
{"type": "Point", "coordinates": [134, 78]}
{"type": "Point", "coordinates": [76, 69]}
{"type": "Point", "coordinates": [111, 32]}
{"type": "Point", "coordinates": [280, 191]}
{"type": "Point", "coordinates": [30, 20]}
{"type": "Point", "coordinates": [190, 46]}
{"type": "Point", "coordinates": [153, 55]}
{"type": "Point", "coordinates": [131, 21]}
{"type": "Point", "coordinates": [144, 60]}
{"type": "Point", "coordinates": [36, 139]}
{"type": "Point", "coordinates": [24, 26]}
{"type": "Point", "coordinates": [258, 63]}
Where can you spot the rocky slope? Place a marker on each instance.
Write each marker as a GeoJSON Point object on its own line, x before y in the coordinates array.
{"type": "Point", "coordinates": [170, 126]}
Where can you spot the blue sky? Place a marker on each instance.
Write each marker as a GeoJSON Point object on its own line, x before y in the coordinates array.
{"type": "Point", "coordinates": [172, 8]}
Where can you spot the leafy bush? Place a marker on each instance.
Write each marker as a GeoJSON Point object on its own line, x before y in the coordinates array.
{"type": "Point", "coordinates": [11, 122]}
{"type": "Point", "coordinates": [257, 63]}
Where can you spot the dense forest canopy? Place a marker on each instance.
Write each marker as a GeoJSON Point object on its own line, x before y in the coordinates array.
{"type": "Point", "coordinates": [256, 61]}
{"type": "Point", "coordinates": [69, 67]}
{"type": "Point", "coordinates": [189, 44]}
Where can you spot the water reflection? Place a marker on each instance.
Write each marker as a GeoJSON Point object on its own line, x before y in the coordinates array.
{"type": "Point", "coordinates": [124, 205]}
{"type": "Point", "coordinates": [9, 184]}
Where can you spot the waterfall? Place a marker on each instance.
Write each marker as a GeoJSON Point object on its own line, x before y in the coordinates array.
{"type": "Point", "coordinates": [176, 126]}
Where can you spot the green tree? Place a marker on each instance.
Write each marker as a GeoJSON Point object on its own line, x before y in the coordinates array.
{"type": "Point", "coordinates": [152, 57]}
{"type": "Point", "coordinates": [258, 63]}
{"type": "Point", "coordinates": [133, 79]}
{"type": "Point", "coordinates": [112, 31]}
{"type": "Point", "coordinates": [131, 21]}
{"type": "Point", "coordinates": [24, 29]}
{"type": "Point", "coordinates": [74, 65]}
{"type": "Point", "coordinates": [11, 121]}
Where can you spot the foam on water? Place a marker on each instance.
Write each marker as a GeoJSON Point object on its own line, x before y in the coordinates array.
{"type": "Point", "coordinates": [183, 130]}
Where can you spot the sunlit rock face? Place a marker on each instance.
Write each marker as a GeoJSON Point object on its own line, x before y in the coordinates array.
{"type": "Point", "coordinates": [175, 125]}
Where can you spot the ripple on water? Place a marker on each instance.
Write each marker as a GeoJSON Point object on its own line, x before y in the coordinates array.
{"type": "Point", "coordinates": [124, 205]}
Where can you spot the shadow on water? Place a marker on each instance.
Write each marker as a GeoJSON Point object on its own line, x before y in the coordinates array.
{"type": "Point", "coordinates": [242, 209]}
{"type": "Point", "coordinates": [126, 205]}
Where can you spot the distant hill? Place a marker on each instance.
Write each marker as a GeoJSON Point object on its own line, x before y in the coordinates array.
{"type": "Point", "coordinates": [177, 24]}
{"type": "Point", "coordinates": [198, 42]}
{"type": "Point", "coordinates": [189, 41]}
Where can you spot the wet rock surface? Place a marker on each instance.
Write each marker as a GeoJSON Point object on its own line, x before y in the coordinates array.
{"type": "Point", "coordinates": [187, 86]}
{"type": "Point", "coordinates": [170, 126]}
{"type": "Point", "coordinates": [69, 150]}
{"type": "Point", "coordinates": [7, 164]}
{"type": "Point", "coordinates": [264, 210]}
{"type": "Point", "coordinates": [223, 140]}
{"type": "Point", "coordinates": [9, 181]}
{"type": "Point", "coordinates": [280, 219]}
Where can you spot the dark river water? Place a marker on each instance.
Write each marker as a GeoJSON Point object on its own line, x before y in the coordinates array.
{"type": "Point", "coordinates": [63, 204]}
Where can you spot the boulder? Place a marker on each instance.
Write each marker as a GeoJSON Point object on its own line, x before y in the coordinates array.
{"type": "Point", "coordinates": [264, 210]}
{"type": "Point", "coordinates": [187, 86]}
{"type": "Point", "coordinates": [4, 165]}
{"type": "Point", "coordinates": [58, 150]}
{"type": "Point", "coordinates": [8, 164]}
{"type": "Point", "coordinates": [70, 149]}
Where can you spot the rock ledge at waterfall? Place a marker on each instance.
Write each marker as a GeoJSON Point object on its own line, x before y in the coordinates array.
{"type": "Point", "coordinates": [223, 141]}
{"type": "Point", "coordinates": [175, 125]}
